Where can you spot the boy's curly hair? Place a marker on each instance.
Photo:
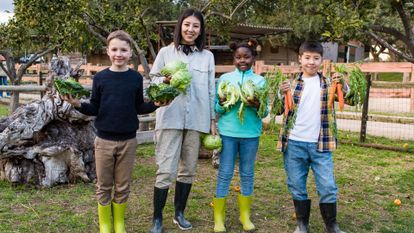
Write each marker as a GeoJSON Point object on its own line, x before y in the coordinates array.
{"type": "Point", "coordinates": [121, 35]}
{"type": "Point", "coordinates": [250, 44]}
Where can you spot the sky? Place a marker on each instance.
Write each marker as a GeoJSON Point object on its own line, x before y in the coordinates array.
{"type": "Point", "coordinates": [6, 5]}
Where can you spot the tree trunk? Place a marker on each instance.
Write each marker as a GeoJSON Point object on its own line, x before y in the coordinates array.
{"type": "Point", "coordinates": [14, 101]}
{"type": "Point", "coordinates": [46, 142]}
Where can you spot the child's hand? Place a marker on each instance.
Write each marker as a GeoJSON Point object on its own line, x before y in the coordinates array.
{"type": "Point", "coordinates": [167, 79]}
{"type": "Point", "coordinates": [162, 103]}
{"type": "Point", "coordinates": [337, 77]}
{"type": "Point", "coordinates": [254, 103]}
{"type": "Point", "coordinates": [222, 100]}
{"type": "Point", "coordinates": [285, 86]}
{"type": "Point", "coordinates": [73, 101]}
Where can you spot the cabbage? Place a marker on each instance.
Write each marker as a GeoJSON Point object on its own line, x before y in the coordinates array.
{"type": "Point", "coordinates": [211, 142]}
{"type": "Point", "coordinates": [172, 67]}
{"type": "Point", "coordinates": [181, 80]}
{"type": "Point", "coordinates": [230, 92]}
{"type": "Point", "coordinates": [248, 92]}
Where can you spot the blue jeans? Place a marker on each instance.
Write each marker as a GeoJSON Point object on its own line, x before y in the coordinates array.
{"type": "Point", "coordinates": [246, 148]}
{"type": "Point", "coordinates": [297, 159]}
{"type": "Point", "coordinates": [3, 81]}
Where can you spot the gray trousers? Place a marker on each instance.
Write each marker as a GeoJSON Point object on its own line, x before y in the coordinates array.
{"type": "Point", "coordinates": [176, 155]}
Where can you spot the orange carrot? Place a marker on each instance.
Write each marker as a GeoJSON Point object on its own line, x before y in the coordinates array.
{"type": "Point", "coordinates": [340, 94]}
{"type": "Point", "coordinates": [290, 100]}
{"type": "Point", "coordinates": [332, 95]}
{"type": "Point", "coordinates": [286, 106]}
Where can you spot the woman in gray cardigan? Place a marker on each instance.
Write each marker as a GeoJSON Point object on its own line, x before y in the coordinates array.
{"type": "Point", "coordinates": [178, 125]}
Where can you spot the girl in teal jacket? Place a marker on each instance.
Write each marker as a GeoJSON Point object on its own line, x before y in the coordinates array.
{"type": "Point", "coordinates": [238, 138]}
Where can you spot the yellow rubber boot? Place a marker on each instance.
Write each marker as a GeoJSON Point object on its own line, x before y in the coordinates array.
{"type": "Point", "coordinates": [119, 217]}
{"type": "Point", "coordinates": [219, 205]}
{"type": "Point", "coordinates": [105, 221]}
{"type": "Point", "coordinates": [244, 204]}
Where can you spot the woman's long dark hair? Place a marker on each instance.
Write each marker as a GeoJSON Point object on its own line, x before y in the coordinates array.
{"type": "Point", "coordinates": [201, 39]}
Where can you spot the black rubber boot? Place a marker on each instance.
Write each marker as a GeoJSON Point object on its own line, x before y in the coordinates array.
{"type": "Point", "coordinates": [302, 211]}
{"type": "Point", "coordinates": [182, 190]}
{"type": "Point", "coordinates": [160, 197]}
{"type": "Point", "coordinates": [328, 212]}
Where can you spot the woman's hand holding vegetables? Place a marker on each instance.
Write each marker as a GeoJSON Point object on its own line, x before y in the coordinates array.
{"type": "Point", "coordinates": [73, 101]}
{"type": "Point", "coordinates": [167, 79]}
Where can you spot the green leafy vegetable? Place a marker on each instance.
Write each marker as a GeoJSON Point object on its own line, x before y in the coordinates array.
{"type": "Point", "coordinates": [70, 87]}
{"type": "Point", "coordinates": [211, 142]}
{"type": "Point", "coordinates": [161, 92]}
{"type": "Point", "coordinates": [181, 80]}
{"type": "Point", "coordinates": [172, 67]}
{"type": "Point", "coordinates": [230, 92]}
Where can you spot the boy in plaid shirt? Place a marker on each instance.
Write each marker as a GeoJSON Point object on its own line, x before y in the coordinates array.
{"type": "Point", "coordinates": [307, 139]}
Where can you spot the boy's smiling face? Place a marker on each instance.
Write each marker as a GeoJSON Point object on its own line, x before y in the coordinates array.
{"type": "Point", "coordinates": [311, 62]}
{"type": "Point", "coordinates": [119, 52]}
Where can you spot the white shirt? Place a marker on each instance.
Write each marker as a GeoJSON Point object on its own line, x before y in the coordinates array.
{"type": "Point", "coordinates": [308, 118]}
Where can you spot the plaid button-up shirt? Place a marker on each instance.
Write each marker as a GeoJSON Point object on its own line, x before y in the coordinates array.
{"type": "Point", "coordinates": [327, 133]}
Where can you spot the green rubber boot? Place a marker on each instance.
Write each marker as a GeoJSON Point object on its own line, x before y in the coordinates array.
{"type": "Point", "coordinates": [105, 222]}
{"type": "Point", "coordinates": [119, 217]}
{"type": "Point", "coordinates": [244, 204]}
{"type": "Point", "coordinates": [219, 205]}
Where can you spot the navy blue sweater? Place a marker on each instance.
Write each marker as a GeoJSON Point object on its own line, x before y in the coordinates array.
{"type": "Point", "coordinates": [116, 100]}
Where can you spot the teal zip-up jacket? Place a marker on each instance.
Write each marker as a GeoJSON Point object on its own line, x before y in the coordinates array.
{"type": "Point", "coordinates": [229, 123]}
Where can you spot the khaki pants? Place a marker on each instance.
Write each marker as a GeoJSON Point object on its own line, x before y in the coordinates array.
{"type": "Point", "coordinates": [114, 162]}
{"type": "Point", "coordinates": [176, 151]}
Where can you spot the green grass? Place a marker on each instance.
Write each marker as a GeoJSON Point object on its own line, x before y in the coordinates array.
{"type": "Point", "coordinates": [368, 180]}
{"type": "Point", "coordinates": [390, 77]}
{"type": "Point", "coordinates": [4, 110]}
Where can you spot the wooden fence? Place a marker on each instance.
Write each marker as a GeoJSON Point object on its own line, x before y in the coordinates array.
{"type": "Point", "coordinates": [260, 67]}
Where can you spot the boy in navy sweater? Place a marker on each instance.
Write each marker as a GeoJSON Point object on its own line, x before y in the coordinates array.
{"type": "Point", "coordinates": [117, 99]}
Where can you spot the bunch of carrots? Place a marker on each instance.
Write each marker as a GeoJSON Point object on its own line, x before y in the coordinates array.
{"type": "Point", "coordinates": [336, 87]}
{"type": "Point", "coordinates": [288, 103]}
{"type": "Point", "coordinates": [274, 79]}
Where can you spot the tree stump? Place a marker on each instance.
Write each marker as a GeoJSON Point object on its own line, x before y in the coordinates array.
{"type": "Point", "coordinates": [48, 142]}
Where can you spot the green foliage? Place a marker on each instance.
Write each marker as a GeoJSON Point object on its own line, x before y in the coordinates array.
{"type": "Point", "coordinates": [161, 92]}
{"type": "Point", "coordinates": [70, 87]}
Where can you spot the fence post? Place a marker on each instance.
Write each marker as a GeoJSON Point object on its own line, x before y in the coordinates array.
{"type": "Point", "coordinates": [364, 118]}
{"type": "Point", "coordinates": [412, 90]}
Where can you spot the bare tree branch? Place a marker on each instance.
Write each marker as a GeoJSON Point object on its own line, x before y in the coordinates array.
{"type": "Point", "coordinates": [96, 34]}
{"type": "Point", "coordinates": [405, 18]}
{"type": "Point", "coordinates": [397, 34]}
{"type": "Point", "coordinates": [229, 17]}
{"type": "Point", "coordinates": [205, 7]}
{"type": "Point", "coordinates": [91, 22]}
{"type": "Point", "coordinates": [390, 47]}
{"type": "Point", "coordinates": [147, 37]}
{"type": "Point", "coordinates": [23, 68]}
